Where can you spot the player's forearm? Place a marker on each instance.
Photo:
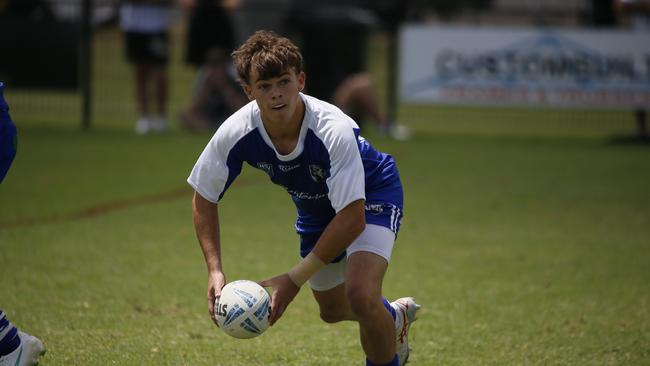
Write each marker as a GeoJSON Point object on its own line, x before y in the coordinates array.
{"type": "Point", "coordinates": [206, 225]}
{"type": "Point", "coordinates": [341, 231]}
{"type": "Point", "coordinates": [338, 235]}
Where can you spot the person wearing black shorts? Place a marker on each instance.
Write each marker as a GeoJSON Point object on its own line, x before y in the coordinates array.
{"type": "Point", "coordinates": [146, 36]}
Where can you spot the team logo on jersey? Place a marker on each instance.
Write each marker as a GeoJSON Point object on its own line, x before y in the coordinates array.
{"type": "Point", "coordinates": [288, 168]}
{"type": "Point", "coordinates": [268, 168]}
{"type": "Point", "coordinates": [317, 173]}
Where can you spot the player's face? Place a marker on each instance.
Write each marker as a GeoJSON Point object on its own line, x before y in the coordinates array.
{"type": "Point", "coordinates": [278, 97]}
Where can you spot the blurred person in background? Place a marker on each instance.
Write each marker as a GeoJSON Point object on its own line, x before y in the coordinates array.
{"type": "Point", "coordinates": [16, 348]}
{"type": "Point", "coordinates": [209, 26]}
{"type": "Point", "coordinates": [334, 37]}
{"type": "Point", "coordinates": [216, 96]}
{"type": "Point", "coordinates": [210, 38]}
{"type": "Point", "coordinates": [145, 24]}
{"type": "Point", "coordinates": [639, 10]}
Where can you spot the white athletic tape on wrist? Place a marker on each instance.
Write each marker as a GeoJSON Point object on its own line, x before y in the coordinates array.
{"type": "Point", "coordinates": [306, 268]}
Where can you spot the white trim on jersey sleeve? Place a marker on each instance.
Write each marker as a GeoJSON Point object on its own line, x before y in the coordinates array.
{"type": "Point", "coordinates": [210, 173]}
{"type": "Point", "coordinates": [346, 182]}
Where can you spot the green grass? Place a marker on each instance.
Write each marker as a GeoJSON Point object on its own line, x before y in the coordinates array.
{"type": "Point", "coordinates": [525, 238]}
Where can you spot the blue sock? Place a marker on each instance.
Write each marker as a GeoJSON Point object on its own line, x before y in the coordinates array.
{"type": "Point", "coordinates": [389, 308]}
{"type": "Point", "coordinates": [10, 340]}
{"type": "Point", "coordinates": [394, 362]}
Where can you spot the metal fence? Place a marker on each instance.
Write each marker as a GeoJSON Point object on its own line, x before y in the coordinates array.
{"type": "Point", "coordinates": [109, 86]}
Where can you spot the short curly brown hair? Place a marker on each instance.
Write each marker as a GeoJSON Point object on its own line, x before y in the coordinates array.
{"type": "Point", "coordinates": [267, 53]}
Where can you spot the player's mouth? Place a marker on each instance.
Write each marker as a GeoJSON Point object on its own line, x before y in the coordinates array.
{"type": "Point", "coordinates": [278, 106]}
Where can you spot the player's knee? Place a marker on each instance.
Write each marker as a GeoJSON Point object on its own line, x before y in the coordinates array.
{"type": "Point", "coordinates": [362, 301]}
{"type": "Point", "coordinates": [331, 315]}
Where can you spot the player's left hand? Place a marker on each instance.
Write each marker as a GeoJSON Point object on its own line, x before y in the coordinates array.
{"type": "Point", "coordinates": [284, 291]}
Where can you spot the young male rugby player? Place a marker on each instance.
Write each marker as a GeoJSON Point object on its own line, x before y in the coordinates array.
{"type": "Point", "coordinates": [348, 196]}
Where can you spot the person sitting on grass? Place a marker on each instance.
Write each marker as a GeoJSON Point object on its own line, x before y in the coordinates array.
{"type": "Point", "coordinates": [217, 95]}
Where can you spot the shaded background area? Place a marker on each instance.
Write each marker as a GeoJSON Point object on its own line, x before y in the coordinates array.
{"type": "Point", "coordinates": [43, 50]}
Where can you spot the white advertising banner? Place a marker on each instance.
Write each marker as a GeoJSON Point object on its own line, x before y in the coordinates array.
{"type": "Point", "coordinates": [524, 66]}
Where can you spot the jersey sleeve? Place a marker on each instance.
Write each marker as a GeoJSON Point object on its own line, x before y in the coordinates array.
{"type": "Point", "coordinates": [346, 182]}
{"type": "Point", "coordinates": [213, 172]}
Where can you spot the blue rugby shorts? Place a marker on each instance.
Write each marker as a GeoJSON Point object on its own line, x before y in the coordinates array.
{"type": "Point", "coordinates": [383, 214]}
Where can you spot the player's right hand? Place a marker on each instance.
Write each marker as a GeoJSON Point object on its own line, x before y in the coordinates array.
{"type": "Point", "coordinates": [216, 281]}
{"type": "Point", "coordinates": [284, 291]}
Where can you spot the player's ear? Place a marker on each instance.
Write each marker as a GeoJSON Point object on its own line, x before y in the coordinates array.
{"type": "Point", "coordinates": [248, 90]}
{"type": "Point", "coordinates": [302, 77]}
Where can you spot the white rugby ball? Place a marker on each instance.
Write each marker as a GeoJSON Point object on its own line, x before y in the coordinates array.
{"type": "Point", "coordinates": [243, 309]}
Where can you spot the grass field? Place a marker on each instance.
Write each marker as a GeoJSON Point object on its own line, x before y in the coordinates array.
{"type": "Point", "coordinates": [526, 238]}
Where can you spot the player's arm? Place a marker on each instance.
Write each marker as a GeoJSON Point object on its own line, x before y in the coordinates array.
{"type": "Point", "coordinates": [338, 235]}
{"type": "Point", "coordinates": [206, 224]}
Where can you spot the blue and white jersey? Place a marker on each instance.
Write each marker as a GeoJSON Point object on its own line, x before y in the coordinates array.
{"type": "Point", "coordinates": [330, 167]}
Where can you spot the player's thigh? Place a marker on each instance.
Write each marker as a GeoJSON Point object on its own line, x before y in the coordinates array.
{"type": "Point", "coordinates": [333, 304]}
{"type": "Point", "coordinates": [365, 274]}
{"type": "Point", "coordinates": [367, 262]}
{"type": "Point", "coordinates": [364, 277]}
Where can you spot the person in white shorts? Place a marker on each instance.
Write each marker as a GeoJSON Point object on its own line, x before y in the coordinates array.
{"type": "Point", "coordinates": [348, 196]}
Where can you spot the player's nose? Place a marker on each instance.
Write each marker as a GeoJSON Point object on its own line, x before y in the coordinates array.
{"type": "Point", "coordinates": [276, 92]}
